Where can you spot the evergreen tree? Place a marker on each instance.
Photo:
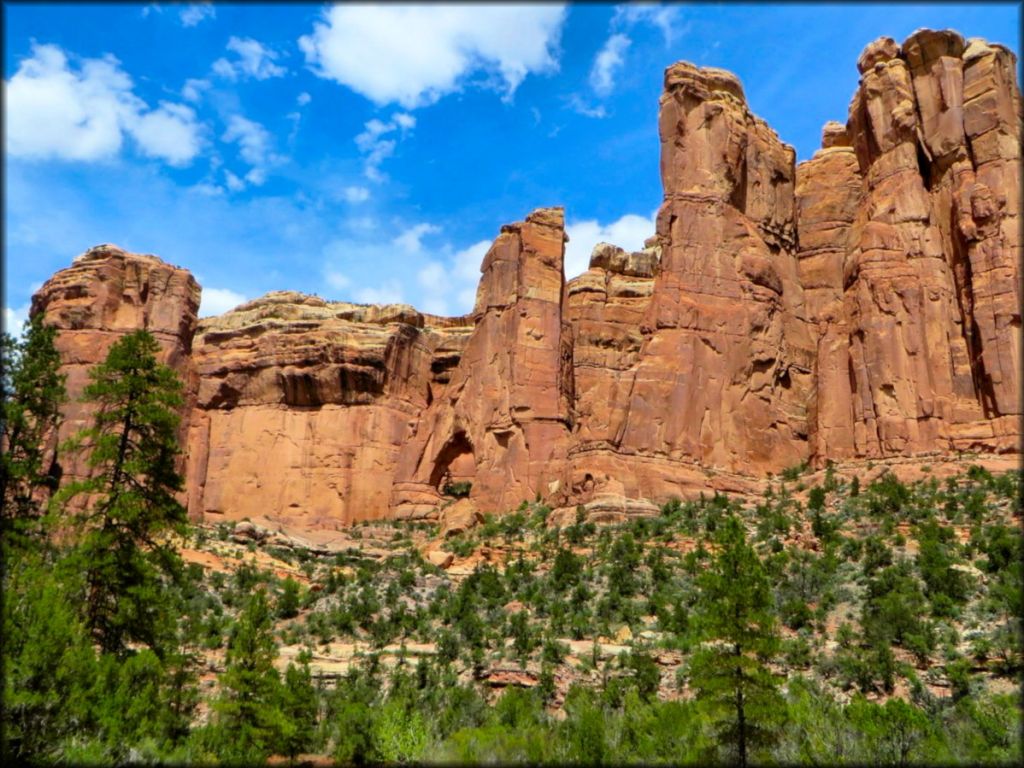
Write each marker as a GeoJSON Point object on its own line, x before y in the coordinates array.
{"type": "Point", "coordinates": [132, 506]}
{"type": "Point", "coordinates": [730, 673]}
{"type": "Point", "coordinates": [249, 721]}
{"type": "Point", "coordinates": [33, 393]}
{"type": "Point", "coordinates": [299, 706]}
{"type": "Point", "coordinates": [49, 663]}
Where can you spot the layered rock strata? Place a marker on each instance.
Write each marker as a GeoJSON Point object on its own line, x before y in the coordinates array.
{"type": "Point", "coordinates": [104, 294]}
{"type": "Point", "coordinates": [862, 305]}
{"type": "Point", "coordinates": [910, 252]}
{"type": "Point", "coordinates": [503, 421]}
{"type": "Point", "coordinates": [303, 406]}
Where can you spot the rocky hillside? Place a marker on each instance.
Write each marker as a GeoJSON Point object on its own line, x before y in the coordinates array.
{"type": "Point", "coordinates": [511, 629]}
{"type": "Point", "coordinates": [861, 306]}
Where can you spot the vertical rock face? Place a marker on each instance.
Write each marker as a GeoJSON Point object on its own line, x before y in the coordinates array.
{"type": "Point", "coordinates": [926, 317]}
{"type": "Point", "coordinates": [724, 373]}
{"type": "Point", "coordinates": [828, 193]}
{"type": "Point", "coordinates": [105, 294]}
{"type": "Point", "coordinates": [863, 305]}
{"type": "Point", "coordinates": [304, 404]}
{"type": "Point", "coordinates": [502, 421]}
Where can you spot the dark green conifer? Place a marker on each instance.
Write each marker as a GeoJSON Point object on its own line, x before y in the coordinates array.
{"type": "Point", "coordinates": [133, 447]}
{"type": "Point", "coordinates": [33, 393]}
{"type": "Point", "coordinates": [249, 722]}
{"type": "Point", "coordinates": [730, 673]}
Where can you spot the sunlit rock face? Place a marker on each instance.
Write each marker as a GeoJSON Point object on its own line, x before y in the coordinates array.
{"type": "Point", "coordinates": [104, 294]}
{"type": "Point", "coordinates": [910, 254]}
{"type": "Point", "coordinates": [862, 305]}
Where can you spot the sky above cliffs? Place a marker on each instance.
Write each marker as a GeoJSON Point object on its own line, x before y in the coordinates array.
{"type": "Point", "coordinates": [371, 153]}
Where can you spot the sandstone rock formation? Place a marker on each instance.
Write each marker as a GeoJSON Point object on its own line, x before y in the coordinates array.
{"type": "Point", "coordinates": [502, 422]}
{"type": "Point", "coordinates": [104, 294]}
{"type": "Point", "coordinates": [303, 405]}
{"type": "Point", "coordinates": [862, 305]}
{"type": "Point", "coordinates": [713, 363]}
{"type": "Point", "coordinates": [910, 252]}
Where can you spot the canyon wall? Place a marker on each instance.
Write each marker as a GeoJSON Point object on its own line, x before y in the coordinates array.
{"type": "Point", "coordinates": [862, 305]}
{"type": "Point", "coordinates": [104, 294]}
{"type": "Point", "coordinates": [910, 254]}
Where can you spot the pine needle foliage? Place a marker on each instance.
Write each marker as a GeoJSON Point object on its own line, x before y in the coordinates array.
{"type": "Point", "coordinates": [130, 494]}
{"type": "Point", "coordinates": [33, 393]}
{"type": "Point", "coordinates": [730, 672]}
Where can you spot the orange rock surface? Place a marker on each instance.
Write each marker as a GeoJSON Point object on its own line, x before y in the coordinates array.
{"type": "Point", "coordinates": [862, 305]}
{"type": "Point", "coordinates": [910, 254]}
{"type": "Point", "coordinates": [104, 294]}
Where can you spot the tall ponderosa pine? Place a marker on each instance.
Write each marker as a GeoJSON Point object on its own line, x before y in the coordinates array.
{"type": "Point", "coordinates": [738, 624]}
{"type": "Point", "coordinates": [33, 393]}
{"type": "Point", "coordinates": [131, 497]}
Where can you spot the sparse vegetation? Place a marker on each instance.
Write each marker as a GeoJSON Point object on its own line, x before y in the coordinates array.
{"type": "Point", "coordinates": [854, 624]}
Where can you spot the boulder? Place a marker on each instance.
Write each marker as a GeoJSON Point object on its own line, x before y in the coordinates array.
{"type": "Point", "coordinates": [459, 518]}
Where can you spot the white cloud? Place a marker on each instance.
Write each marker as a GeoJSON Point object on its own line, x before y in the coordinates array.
{"type": "Point", "coordinates": [193, 14]}
{"type": "Point", "coordinates": [576, 104]}
{"type": "Point", "coordinates": [234, 183]}
{"type": "Point", "coordinates": [410, 240]}
{"type": "Point", "coordinates": [610, 59]}
{"type": "Point", "coordinates": [256, 176]}
{"type": "Point", "coordinates": [168, 132]}
{"type": "Point", "coordinates": [14, 319]}
{"type": "Point", "coordinates": [303, 99]}
{"type": "Point", "coordinates": [447, 285]}
{"type": "Point", "coordinates": [628, 232]}
{"type": "Point", "coordinates": [404, 120]}
{"type": "Point", "coordinates": [54, 111]}
{"type": "Point", "coordinates": [252, 138]}
{"type": "Point", "coordinates": [336, 279]}
{"type": "Point", "coordinates": [439, 280]}
{"type": "Point", "coordinates": [254, 60]}
{"type": "Point", "coordinates": [207, 189]}
{"type": "Point", "coordinates": [217, 301]}
{"type": "Point", "coordinates": [414, 55]}
{"type": "Point", "coordinates": [193, 89]}
{"type": "Point", "coordinates": [667, 18]}
{"type": "Point", "coordinates": [377, 149]}
{"type": "Point", "coordinates": [254, 147]}
{"type": "Point", "coordinates": [388, 292]}
{"type": "Point", "coordinates": [356, 194]}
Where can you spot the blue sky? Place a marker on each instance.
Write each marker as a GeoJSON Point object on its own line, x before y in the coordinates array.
{"type": "Point", "coordinates": [371, 153]}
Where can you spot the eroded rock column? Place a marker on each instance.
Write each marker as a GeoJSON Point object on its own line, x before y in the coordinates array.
{"type": "Point", "coordinates": [502, 421]}
{"type": "Point", "coordinates": [105, 294]}
{"type": "Point", "coordinates": [724, 373]}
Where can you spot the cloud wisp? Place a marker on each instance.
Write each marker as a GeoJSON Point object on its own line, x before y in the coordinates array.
{"type": "Point", "coordinates": [611, 58]}
{"type": "Point", "coordinates": [196, 13]}
{"type": "Point", "coordinates": [254, 148]}
{"type": "Point", "coordinates": [378, 141]}
{"type": "Point", "coordinates": [252, 61]}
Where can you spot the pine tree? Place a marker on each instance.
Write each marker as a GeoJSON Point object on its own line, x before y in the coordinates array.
{"type": "Point", "coordinates": [299, 707]}
{"type": "Point", "coordinates": [33, 393]}
{"type": "Point", "coordinates": [49, 663]}
{"type": "Point", "coordinates": [730, 673]}
{"type": "Point", "coordinates": [131, 491]}
{"type": "Point", "coordinates": [249, 721]}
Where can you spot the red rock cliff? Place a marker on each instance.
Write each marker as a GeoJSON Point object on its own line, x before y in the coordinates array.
{"type": "Point", "coordinates": [104, 294]}
{"type": "Point", "coordinates": [910, 254]}
{"type": "Point", "coordinates": [865, 304]}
